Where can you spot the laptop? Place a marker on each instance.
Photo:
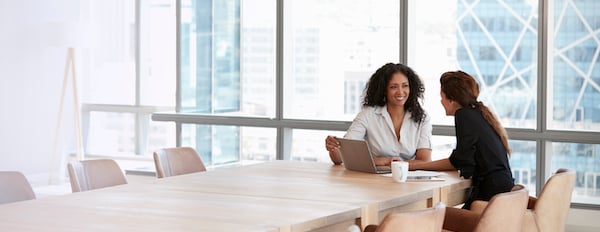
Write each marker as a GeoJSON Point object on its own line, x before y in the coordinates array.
{"type": "Point", "coordinates": [357, 156]}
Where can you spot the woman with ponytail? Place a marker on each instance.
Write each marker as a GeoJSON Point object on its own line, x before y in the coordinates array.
{"type": "Point", "coordinates": [482, 149]}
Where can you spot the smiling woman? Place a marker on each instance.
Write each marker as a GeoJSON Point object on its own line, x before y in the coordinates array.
{"type": "Point", "coordinates": [392, 120]}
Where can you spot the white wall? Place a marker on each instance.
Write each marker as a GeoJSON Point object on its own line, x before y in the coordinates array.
{"type": "Point", "coordinates": [583, 220]}
{"type": "Point", "coordinates": [33, 45]}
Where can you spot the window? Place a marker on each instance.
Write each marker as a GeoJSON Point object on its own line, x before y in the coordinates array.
{"type": "Point", "coordinates": [308, 145]}
{"type": "Point", "coordinates": [584, 158]}
{"type": "Point", "coordinates": [576, 86]}
{"type": "Point", "coordinates": [507, 80]}
{"type": "Point", "coordinates": [505, 64]}
{"type": "Point", "coordinates": [224, 144]}
{"type": "Point", "coordinates": [255, 86]}
{"type": "Point", "coordinates": [228, 57]}
{"type": "Point", "coordinates": [331, 44]}
{"type": "Point", "coordinates": [129, 71]}
{"type": "Point", "coordinates": [487, 53]}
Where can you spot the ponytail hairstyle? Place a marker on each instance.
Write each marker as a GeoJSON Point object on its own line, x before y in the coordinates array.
{"type": "Point", "coordinates": [462, 88]}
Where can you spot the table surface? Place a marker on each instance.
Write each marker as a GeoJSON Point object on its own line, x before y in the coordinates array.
{"type": "Point", "coordinates": [270, 196]}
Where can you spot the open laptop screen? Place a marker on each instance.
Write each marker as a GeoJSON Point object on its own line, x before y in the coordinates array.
{"type": "Point", "coordinates": [357, 156]}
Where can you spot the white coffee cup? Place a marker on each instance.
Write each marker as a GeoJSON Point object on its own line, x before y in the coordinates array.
{"type": "Point", "coordinates": [399, 171]}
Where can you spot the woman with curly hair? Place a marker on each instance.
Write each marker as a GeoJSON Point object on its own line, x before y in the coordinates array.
{"type": "Point", "coordinates": [391, 121]}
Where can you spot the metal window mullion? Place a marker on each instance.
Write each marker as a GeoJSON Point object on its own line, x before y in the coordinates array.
{"type": "Point", "coordinates": [142, 125]}
{"type": "Point", "coordinates": [178, 70]}
{"type": "Point", "coordinates": [212, 58]}
{"type": "Point", "coordinates": [177, 56]}
{"type": "Point", "coordinates": [139, 125]}
{"type": "Point", "coordinates": [122, 108]}
{"type": "Point", "coordinates": [543, 151]}
{"type": "Point", "coordinates": [283, 144]}
{"type": "Point", "coordinates": [403, 31]}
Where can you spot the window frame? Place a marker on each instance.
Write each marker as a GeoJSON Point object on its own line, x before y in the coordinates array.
{"type": "Point", "coordinates": [541, 135]}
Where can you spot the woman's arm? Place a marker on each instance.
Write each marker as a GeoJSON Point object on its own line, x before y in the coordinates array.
{"type": "Point", "coordinates": [467, 126]}
{"type": "Point", "coordinates": [385, 161]}
{"type": "Point", "coordinates": [422, 155]}
{"type": "Point", "coordinates": [423, 144]}
{"type": "Point", "coordinates": [437, 165]}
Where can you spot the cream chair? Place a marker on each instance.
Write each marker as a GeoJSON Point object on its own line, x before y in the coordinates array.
{"type": "Point", "coordinates": [14, 187]}
{"type": "Point", "coordinates": [549, 211]}
{"type": "Point", "coordinates": [427, 220]}
{"type": "Point", "coordinates": [504, 213]}
{"type": "Point", "coordinates": [177, 161]}
{"type": "Point", "coordinates": [94, 174]}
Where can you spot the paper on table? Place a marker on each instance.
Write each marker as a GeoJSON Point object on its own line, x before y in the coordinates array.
{"type": "Point", "coordinates": [424, 173]}
{"type": "Point", "coordinates": [420, 175]}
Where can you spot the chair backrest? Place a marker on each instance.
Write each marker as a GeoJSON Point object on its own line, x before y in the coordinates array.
{"type": "Point", "coordinates": [93, 174]}
{"type": "Point", "coordinates": [504, 212]}
{"type": "Point", "coordinates": [14, 187]}
{"type": "Point", "coordinates": [425, 220]}
{"type": "Point", "coordinates": [549, 211]}
{"type": "Point", "coordinates": [177, 161]}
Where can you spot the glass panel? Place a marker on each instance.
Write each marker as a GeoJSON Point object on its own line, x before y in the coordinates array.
{"type": "Point", "coordinates": [523, 163]}
{"type": "Point", "coordinates": [109, 56]}
{"type": "Point", "coordinates": [574, 95]}
{"type": "Point", "coordinates": [229, 144]}
{"type": "Point", "coordinates": [258, 57]}
{"type": "Point", "coordinates": [159, 135]}
{"type": "Point", "coordinates": [585, 160]}
{"type": "Point", "coordinates": [228, 57]}
{"type": "Point", "coordinates": [111, 134]}
{"type": "Point", "coordinates": [157, 53]}
{"type": "Point", "coordinates": [442, 146]}
{"type": "Point", "coordinates": [495, 41]}
{"type": "Point", "coordinates": [332, 48]}
{"type": "Point", "coordinates": [309, 145]}
{"type": "Point", "coordinates": [258, 144]}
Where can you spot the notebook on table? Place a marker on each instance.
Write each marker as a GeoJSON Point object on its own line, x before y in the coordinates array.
{"type": "Point", "coordinates": [357, 156]}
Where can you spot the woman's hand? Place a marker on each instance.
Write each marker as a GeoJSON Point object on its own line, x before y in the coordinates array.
{"type": "Point", "coordinates": [385, 161]}
{"type": "Point", "coordinates": [331, 144]}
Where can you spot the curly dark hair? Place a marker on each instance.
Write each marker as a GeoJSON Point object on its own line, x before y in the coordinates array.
{"type": "Point", "coordinates": [376, 89]}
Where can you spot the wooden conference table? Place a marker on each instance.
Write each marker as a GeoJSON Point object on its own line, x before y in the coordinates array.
{"type": "Point", "coordinates": [270, 196]}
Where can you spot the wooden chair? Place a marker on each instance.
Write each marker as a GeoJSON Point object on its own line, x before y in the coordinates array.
{"type": "Point", "coordinates": [504, 213]}
{"type": "Point", "coordinates": [427, 220]}
{"type": "Point", "coordinates": [177, 161]}
{"type": "Point", "coordinates": [14, 187]}
{"type": "Point", "coordinates": [94, 174]}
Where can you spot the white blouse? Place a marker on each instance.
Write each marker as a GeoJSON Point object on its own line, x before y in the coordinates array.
{"type": "Point", "coordinates": [374, 125]}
